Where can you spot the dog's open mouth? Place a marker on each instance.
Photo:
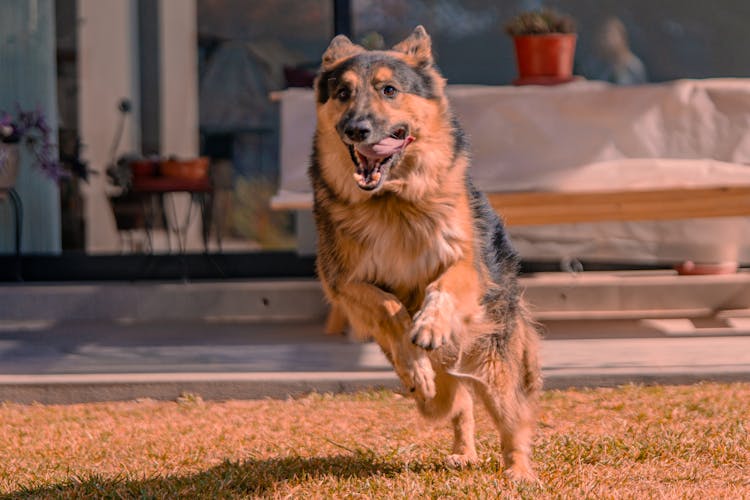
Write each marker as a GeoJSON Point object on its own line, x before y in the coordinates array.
{"type": "Point", "coordinates": [373, 161]}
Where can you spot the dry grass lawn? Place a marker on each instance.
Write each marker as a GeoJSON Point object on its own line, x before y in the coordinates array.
{"type": "Point", "coordinates": [629, 442]}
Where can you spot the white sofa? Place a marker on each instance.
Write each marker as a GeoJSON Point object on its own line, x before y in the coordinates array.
{"type": "Point", "coordinates": [579, 137]}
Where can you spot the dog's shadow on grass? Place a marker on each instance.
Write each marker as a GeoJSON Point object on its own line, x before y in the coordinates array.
{"type": "Point", "coordinates": [249, 477]}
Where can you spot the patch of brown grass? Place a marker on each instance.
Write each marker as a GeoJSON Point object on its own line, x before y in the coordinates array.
{"type": "Point", "coordinates": [635, 442]}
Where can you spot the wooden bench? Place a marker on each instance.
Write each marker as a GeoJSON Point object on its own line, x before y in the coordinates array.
{"type": "Point", "coordinates": [537, 208]}
{"type": "Point", "coordinates": [540, 208]}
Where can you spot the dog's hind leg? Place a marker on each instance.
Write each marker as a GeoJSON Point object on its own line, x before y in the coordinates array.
{"type": "Point", "coordinates": [454, 400]}
{"type": "Point", "coordinates": [464, 451]}
{"type": "Point", "coordinates": [509, 388]}
{"type": "Point", "coordinates": [507, 380]}
{"type": "Point", "coordinates": [513, 414]}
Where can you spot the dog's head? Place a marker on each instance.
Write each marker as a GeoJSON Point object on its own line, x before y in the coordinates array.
{"type": "Point", "coordinates": [380, 110]}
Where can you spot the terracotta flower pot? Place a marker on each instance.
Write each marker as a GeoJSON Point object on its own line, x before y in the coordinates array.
{"type": "Point", "coordinates": [690, 268]}
{"type": "Point", "coordinates": [8, 165]}
{"type": "Point", "coordinates": [143, 168]}
{"type": "Point", "coordinates": [545, 59]}
{"type": "Point", "coordinates": [195, 169]}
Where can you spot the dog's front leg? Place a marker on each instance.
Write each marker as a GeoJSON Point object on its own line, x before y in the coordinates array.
{"type": "Point", "coordinates": [449, 303]}
{"type": "Point", "coordinates": [372, 311]}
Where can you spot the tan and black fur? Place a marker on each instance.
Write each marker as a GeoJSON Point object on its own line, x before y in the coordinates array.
{"type": "Point", "coordinates": [412, 253]}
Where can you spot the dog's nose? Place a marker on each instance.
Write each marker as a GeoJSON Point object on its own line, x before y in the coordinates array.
{"type": "Point", "coordinates": [358, 131]}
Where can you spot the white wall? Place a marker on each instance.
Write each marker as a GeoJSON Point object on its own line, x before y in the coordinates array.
{"type": "Point", "coordinates": [27, 78]}
{"type": "Point", "coordinates": [107, 73]}
{"type": "Point", "coordinates": [178, 98]}
{"type": "Point", "coordinates": [178, 42]}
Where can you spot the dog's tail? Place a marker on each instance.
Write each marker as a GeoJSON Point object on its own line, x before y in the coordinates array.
{"type": "Point", "coordinates": [531, 366]}
{"type": "Point", "coordinates": [483, 360]}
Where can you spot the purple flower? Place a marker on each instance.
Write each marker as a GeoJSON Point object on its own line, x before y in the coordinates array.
{"type": "Point", "coordinates": [31, 128]}
{"type": "Point", "coordinates": [8, 129]}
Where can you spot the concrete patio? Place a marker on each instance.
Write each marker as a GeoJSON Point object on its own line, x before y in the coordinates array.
{"type": "Point", "coordinates": [76, 343]}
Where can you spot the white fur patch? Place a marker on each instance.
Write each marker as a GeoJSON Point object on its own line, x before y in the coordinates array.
{"type": "Point", "coordinates": [407, 252]}
{"type": "Point", "coordinates": [436, 322]}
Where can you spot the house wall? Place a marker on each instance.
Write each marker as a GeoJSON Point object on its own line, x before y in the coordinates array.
{"type": "Point", "coordinates": [178, 39]}
{"type": "Point", "coordinates": [109, 50]}
{"type": "Point", "coordinates": [674, 38]}
{"type": "Point", "coordinates": [108, 73]}
{"type": "Point", "coordinates": [27, 79]}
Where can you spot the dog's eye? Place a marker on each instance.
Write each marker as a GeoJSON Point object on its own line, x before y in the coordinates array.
{"type": "Point", "coordinates": [390, 91]}
{"type": "Point", "coordinates": [343, 94]}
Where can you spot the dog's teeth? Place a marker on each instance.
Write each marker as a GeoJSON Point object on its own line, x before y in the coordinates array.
{"type": "Point", "coordinates": [375, 176]}
{"type": "Point", "coordinates": [358, 177]}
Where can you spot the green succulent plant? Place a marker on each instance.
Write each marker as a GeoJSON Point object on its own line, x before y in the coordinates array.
{"type": "Point", "coordinates": [540, 22]}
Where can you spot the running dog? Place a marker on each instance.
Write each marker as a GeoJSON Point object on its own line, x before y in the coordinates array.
{"type": "Point", "coordinates": [412, 253]}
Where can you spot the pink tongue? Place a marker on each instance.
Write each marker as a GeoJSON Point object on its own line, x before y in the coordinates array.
{"type": "Point", "coordinates": [384, 148]}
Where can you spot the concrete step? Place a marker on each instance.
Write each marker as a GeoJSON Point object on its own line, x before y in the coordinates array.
{"type": "Point", "coordinates": [634, 294]}
{"type": "Point", "coordinates": [97, 361]}
{"type": "Point", "coordinates": [552, 296]}
{"type": "Point", "coordinates": [248, 301]}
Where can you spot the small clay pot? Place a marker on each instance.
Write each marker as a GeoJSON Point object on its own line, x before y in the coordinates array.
{"type": "Point", "coordinates": [195, 169]}
{"type": "Point", "coordinates": [545, 59]}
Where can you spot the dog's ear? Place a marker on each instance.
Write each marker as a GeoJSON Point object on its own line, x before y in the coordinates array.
{"type": "Point", "coordinates": [339, 48]}
{"type": "Point", "coordinates": [418, 46]}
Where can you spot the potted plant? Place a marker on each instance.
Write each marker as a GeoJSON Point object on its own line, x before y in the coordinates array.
{"type": "Point", "coordinates": [8, 164]}
{"type": "Point", "coordinates": [545, 42]}
{"type": "Point", "coordinates": [30, 129]}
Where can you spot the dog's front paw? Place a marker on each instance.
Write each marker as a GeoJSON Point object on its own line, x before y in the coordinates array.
{"type": "Point", "coordinates": [432, 324]}
{"type": "Point", "coordinates": [423, 378]}
{"type": "Point", "coordinates": [416, 373]}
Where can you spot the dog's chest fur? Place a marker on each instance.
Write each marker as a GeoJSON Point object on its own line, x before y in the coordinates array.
{"type": "Point", "coordinates": [399, 244]}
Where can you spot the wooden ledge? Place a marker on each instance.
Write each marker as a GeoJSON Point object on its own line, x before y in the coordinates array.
{"type": "Point", "coordinates": [536, 208]}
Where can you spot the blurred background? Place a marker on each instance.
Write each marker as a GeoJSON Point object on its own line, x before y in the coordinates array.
{"type": "Point", "coordinates": [124, 81]}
